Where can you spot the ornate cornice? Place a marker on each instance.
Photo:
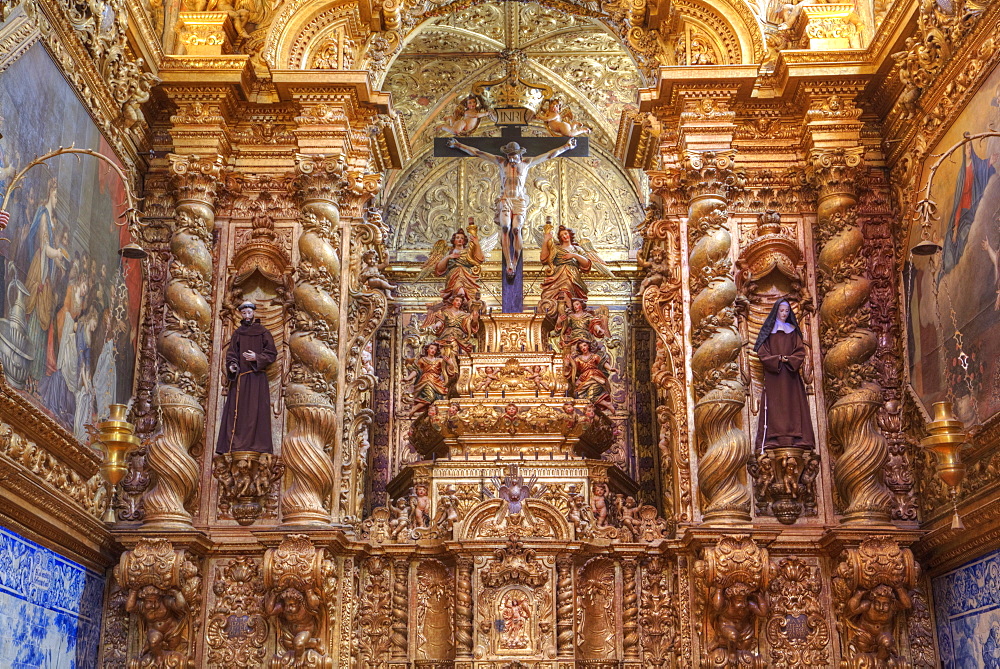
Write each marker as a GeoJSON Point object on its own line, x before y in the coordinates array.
{"type": "Point", "coordinates": [49, 481]}
{"type": "Point", "coordinates": [30, 422]}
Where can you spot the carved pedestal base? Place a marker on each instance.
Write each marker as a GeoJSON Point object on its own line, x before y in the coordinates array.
{"type": "Point", "coordinates": [785, 483]}
{"type": "Point", "coordinates": [832, 27]}
{"type": "Point", "coordinates": [207, 33]}
{"type": "Point", "coordinates": [246, 481]}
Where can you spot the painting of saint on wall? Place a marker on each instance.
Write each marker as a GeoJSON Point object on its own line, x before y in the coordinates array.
{"type": "Point", "coordinates": [953, 297]}
{"type": "Point", "coordinates": [68, 313]}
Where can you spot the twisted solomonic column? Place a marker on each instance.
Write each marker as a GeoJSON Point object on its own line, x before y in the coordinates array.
{"type": "Point", "coordinates": [724, 448]}
{"type": "Point", "coordinates": [463, 608]}
{"type": "Point", "coordinates": [310, 395]}
{"type": "Point", "coordinates": [564, 607]}
{"type": "Point", "coordinates": [400, 610]}
{"type": "Point", "coordinates": [184, 343]}
{"type": "Point", "coordinates": [630, 610]}
{"type": "Point", "coordinates": [847, 341]}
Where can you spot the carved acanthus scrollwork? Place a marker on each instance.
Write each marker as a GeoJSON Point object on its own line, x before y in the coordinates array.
{"type": "Point", "coordinates": [164, 592]}
{"type": "Point", "coordinates": [184, 343]}
{"type": "Point", "coordinates": [375, 613]}
{"type": "Point", "coordinates": [300, 584]}
{"type": "Point", "coordinates": [708, 179]}
{"type": "Point", "coordinates": [940, 31]}
{"type": "Point", "coordinates": [731, 587]}
{"type": "Point", "coordinates": [102, 27]}
{"type": "Point", "coordinates": [366, 310]}
{"type": "Point", "coordinates": [114, 635]}
{"type": "Point", "coordinates": [657, 615]}
{"type": "Point", "coordinates": [882, 251]}
{"type": "Point", "coordinates": [847, 341]}
{"type": "Point", "coordinates": [872, 592]}
{"type": "Point", "coordinates": [237, 629]}
{"type": "Point", "coordinates": [661, 295]}
{"type": "Point", "coordinates": [797, 631]}
{"type": "Point", "coordinates": [310, 395]}
{"type": "Point", "coordinates": [155, 234]}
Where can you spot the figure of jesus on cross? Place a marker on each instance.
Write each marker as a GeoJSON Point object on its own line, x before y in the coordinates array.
{"type": "Point", "coordinates": [512, 203]}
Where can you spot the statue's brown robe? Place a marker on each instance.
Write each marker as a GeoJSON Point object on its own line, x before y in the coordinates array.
{"type": "Point", "coordinates": [246, 415]}
{"type": "Point", "coordinates": [784, 419]}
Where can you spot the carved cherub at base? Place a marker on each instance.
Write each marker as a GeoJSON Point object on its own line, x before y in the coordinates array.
{"type": "Point", "coordinates": [164, 617]}
{"type": "Point", "coordinates": [297, 614]}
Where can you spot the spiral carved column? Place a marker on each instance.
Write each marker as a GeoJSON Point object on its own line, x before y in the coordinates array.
{"type": "Point", "coordinates": [400, 609]}
{"type": "Point", "coordinates": [184, 344]}
{"type": "Point", "coordinates": [847, 341]}
{"type": "Point", "coordinates": [630, 610]}
{"type": "Point", "coordinates": [564, 608]}
{"type": "Point", "coordinates": [311, 393]}
{"type": "Point", "coordinates": [724, 448]}
{"type": "Point", "coordinates": [463, 609]}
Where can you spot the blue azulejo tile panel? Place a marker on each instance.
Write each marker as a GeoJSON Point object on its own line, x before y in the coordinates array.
{"type": "Point", "coordinates": [50, 608]}
{"type": "Point", "coordinates": [967, 604]}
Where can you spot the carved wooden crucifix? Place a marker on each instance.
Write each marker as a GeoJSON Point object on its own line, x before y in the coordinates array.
{"type": "Point", "coordinates": [513, 155]}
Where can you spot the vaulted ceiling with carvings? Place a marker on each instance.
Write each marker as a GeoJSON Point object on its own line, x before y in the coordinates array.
{"type": "Point", "coordinates": [587, 68]}
{"type": "Point", "coordinates": [577, 56]}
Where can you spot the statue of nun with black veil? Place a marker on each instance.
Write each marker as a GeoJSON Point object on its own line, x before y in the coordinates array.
{"type": "Point", "coordinates": [784, 417]}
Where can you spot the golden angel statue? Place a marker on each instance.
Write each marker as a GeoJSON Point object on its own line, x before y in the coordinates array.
{"type": "Point", "coordinates": [576, 322]}
{"type": "Point", "coordinates": [559, 121]}
{"type": "Point", "coordinates": [466, 117]}
{"type": "Point", "coordinates": [459, 261]}
{"type": "Point", "coordinates": [566, 261]}
{"type": "Point", "coordinates": [589, 373]}
{"type": "Point", "coordinates": [454, 323]}
{"type": "Point", "coordinates": [432, 375]}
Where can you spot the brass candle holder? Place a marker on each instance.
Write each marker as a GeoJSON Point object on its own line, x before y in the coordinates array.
{"type": "Point", "coordinates": [116, 438]}
{"type": "Point", "coordinates": [946, 439]}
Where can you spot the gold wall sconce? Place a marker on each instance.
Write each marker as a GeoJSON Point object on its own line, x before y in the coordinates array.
{"type": "Point", "coordinates": [946, 440]}
{"type": "Point", "coordinates": [116, 438]}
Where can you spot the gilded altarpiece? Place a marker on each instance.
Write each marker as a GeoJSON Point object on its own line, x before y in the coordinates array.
{"type": "Point", "coordinates": [504, 519]}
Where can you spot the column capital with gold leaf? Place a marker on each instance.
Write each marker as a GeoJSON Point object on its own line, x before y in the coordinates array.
{"type": "Point", "coordinates": [206, 111]}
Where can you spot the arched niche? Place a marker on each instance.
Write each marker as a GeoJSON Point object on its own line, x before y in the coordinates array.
{"type": "Point", "coordinates": [549, 523]}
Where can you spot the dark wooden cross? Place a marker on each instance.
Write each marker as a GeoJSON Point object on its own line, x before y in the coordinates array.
{"type": "Point", "coordinates": [512, 286]}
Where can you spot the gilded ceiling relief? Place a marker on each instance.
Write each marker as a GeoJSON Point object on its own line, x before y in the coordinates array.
{"type": "Point", "coordinates": [587, 194]}
{"type": "Point", "coordinates": [486, 19]}
{"type": "Point", "coordinates": [418, 88]}
{"type": "Point", "coordinates": [588, 68]}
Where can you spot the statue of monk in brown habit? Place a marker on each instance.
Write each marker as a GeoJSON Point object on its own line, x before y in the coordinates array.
{"type": "Point", "coordinates": [246, 415]}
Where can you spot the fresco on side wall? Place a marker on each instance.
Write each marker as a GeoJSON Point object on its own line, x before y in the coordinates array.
{"type": "Point", "coordinates": [50, 608]}
{"type": "Point", "coordinates": [967, 607]}
{"type": "Point", "coordinates": [959, 289]}
{"type": "Point", "coordinates": [68, 317]}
